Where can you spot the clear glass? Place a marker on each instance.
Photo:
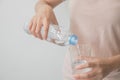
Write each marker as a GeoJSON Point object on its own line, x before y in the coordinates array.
{"type": "Point", "coordinates": [79, 51]}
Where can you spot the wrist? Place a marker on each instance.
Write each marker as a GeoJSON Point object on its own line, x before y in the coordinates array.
{"type": "Point", "coordinates": [42, 3]}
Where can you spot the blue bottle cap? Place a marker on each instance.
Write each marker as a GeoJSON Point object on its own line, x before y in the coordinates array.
{"type": "Point", "coordinates": [73, 39]}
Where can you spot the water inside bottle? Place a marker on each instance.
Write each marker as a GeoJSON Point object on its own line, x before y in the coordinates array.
{"type": "Point", "coordinates": [57, 36]}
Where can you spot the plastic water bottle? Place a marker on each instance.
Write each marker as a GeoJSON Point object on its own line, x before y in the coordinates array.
{"type": "Point", "coordinates": [57, 35]}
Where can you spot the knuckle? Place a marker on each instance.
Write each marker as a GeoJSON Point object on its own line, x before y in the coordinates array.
{"type": "Point", "coordinates": [38, 21]}
{"type": "Point", "coordinates": [46, 29]}
{"type": "Point", "coordinates": [40, 18]}
{"type": "Point", "coordinates": [47, 18]}
{"type": "Point", "coordinates": [89, 64]}
{"type": "Point", "coordinates": [32, 31]}
{"type": "Point", "coordinates": [37, 32]}
{"type": "Point", "coordinates": [34, 22]}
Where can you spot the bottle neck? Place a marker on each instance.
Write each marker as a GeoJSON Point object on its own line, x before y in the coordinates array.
{"type": "Point", "coordinates": [73, 39]}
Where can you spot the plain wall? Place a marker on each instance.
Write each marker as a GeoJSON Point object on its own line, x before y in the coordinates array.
{"type": "Point", "coordinates": [23, 57]}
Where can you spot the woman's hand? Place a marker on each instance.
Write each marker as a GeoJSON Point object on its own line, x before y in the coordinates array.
{"type": "Point", "coordinates": [100, 68]}
{"type": "Point", "coordinates": [43, 17]}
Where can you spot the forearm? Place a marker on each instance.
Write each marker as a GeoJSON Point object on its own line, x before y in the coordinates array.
{"type": "Point", "coordinates": [115, 62]}
{"type": "Point", "coordinates": [52, 3]}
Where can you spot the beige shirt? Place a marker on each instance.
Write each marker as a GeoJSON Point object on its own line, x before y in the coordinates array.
{"type": "Point", "coordinates": [96, 22]}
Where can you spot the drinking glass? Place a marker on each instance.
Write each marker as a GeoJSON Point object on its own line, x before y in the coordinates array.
{"type": "Point", "coordinates": [82, 50]}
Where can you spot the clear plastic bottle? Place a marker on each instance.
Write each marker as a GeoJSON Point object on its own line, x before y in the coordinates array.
{"type": "Point", "coordinates": [58, 35]}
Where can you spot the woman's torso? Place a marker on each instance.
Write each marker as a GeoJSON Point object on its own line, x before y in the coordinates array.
{"type": "Point", "coordinates": [97, 22]}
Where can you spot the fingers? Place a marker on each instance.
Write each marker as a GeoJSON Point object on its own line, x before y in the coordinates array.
{"type": "Point", "coordinates": [93, 65]}
{"type": "Point", "coordinates": [85, 65]}
{"type": "Point", "coordinates": [37, 22]}
{"type": "Point", "coordinates": [86, 75]}
{"type": "Point", "coordinates": [46, 24]}
{"type": "Point", "coordinates": [38, 29]}
{"type": "Point", "coordinates": [30, 25]}
{"type": "Point", "coordinates": [33, 28]}
{"type": "Point", "coordinates": [89, 62]}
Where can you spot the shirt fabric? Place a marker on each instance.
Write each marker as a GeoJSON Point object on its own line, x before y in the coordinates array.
{"type": "Point", "coordinates": [96, 22]}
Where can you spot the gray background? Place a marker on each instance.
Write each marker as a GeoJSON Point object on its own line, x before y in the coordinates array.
{"type": "Point", "coordinates": [23, 57]}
